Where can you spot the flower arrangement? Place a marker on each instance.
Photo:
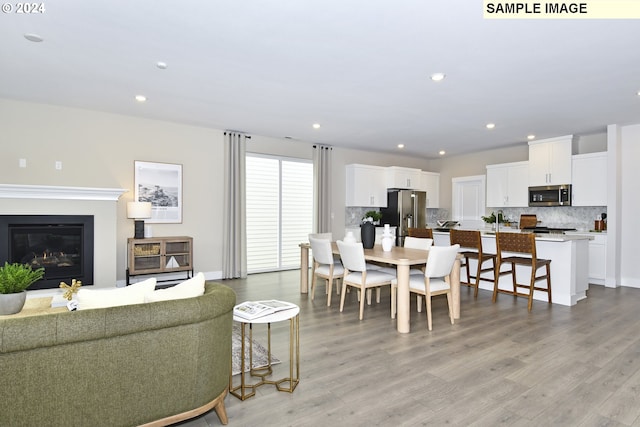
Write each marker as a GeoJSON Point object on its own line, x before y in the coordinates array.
{"type": "Point", "coordinates": [373, 217]}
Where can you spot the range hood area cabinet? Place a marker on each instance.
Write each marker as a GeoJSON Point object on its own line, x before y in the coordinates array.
{"type": "Point", "coordinates": [550, 161]}
{"type": "Point", "coordinates": [589, 179]}
{"type": "Point", "coordinates": [403, 178]}
{"type": "Point", "coordinates": [508, 185]}
{"type": "Point", "coordinates": [366, 186]}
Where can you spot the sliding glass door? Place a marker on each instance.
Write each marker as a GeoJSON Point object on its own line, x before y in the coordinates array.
{"type": "Point", "coordinates": [279, 211]}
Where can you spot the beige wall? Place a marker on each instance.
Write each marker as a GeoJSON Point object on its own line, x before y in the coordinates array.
{"type": "Point", "coordinates": [474, 164]}
{"type": "Point", "coordinates": [99, 150]}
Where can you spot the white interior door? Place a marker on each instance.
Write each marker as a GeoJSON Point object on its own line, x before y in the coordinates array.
{"type": "Point", "coordinates": [468, 201]}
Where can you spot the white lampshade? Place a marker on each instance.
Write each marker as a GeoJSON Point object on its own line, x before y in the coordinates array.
{"type": "Point", "coordinates": [138, 210]}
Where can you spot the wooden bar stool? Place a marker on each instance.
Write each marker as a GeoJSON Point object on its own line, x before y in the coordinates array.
{"type": "Point", "coordinates": [525, 244]}
{"type": "Point", "coordinates": [468, 239]}
{"type": "Point", "coordinates": [425, 233]}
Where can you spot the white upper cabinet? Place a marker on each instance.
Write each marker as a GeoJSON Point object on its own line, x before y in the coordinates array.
{"type": "Point", "coordinates": [431, 184]}
{"type": "Point", "coordinates": [550, 161]}
{"type": "Point", "coordinates": [508, 185]}
{"type": "Point", "coordinates": [366, 186]}
{"type": "Point", "coordinates": [589, 179]}
{"type": "Point", "coordinates": [405, 178]}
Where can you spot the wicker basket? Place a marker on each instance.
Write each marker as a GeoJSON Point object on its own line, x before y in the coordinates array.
{"type": "Point", "coordinates": [146, 250]}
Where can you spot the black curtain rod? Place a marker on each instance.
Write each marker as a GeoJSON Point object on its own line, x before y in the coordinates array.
{"type": "Point", "coordinates": [246, 136]}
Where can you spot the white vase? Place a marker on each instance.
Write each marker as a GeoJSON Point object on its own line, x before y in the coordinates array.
{"type": "Point", "coordinates": [387, 242]}
{"type": "Point", "coordinates": [349, 238]}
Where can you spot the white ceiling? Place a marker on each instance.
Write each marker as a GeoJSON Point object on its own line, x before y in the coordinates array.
{"type": "Point", "coordinates": [360, 68]}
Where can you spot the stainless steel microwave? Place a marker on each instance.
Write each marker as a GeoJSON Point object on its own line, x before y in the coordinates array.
{"type": "Point", "coordinates": [550, 195]}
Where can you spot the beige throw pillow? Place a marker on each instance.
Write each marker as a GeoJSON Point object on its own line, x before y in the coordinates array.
{"type": "Point", "coordinates": [101, 298]}
{"type": "Point", "coordinates": [193, 287]}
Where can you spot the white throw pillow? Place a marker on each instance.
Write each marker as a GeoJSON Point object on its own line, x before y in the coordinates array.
{"type": "Point", "coordinates": [193, 287]}
{"type": "Point", "coordinates": [101, 298]}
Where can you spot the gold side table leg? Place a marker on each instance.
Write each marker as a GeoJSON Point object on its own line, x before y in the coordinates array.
{"type": "Point", "coordinates": [240, 391]}
{"type": "Point", "coordinates": [294, 357]}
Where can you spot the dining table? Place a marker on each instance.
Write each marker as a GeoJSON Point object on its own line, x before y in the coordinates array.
{"type": "Point", "coordinates": [403, 258]}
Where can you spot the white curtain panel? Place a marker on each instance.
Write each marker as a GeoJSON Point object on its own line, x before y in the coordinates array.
{"type": "Point", "coordinates": [234, 245]}
{"type": "Point", "coordinates": [322, 188]}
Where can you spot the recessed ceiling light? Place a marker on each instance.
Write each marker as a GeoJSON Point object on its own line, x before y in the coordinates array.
{"type": "Point", "coordinates": [400, 146]}
{"type": "Point", "coordinates": [161, 65]}
{"type": "Point", "coordinates": [33, 38]}
{"type": "Point", "coordinates": [442, 152]}
{"type": "Point", "coordinates": [316, 125]}
{"type": "Point", "coordinates": [490, 125]}
{"type": "Point", "coordinates": [531, 136]}
{"type": "Point", "coordinates": [437, 77]}
{"type": "Point", "coordinates": [141, 98]}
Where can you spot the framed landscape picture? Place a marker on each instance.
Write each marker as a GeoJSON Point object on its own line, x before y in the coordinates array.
{"type": "Point", "coordinates": [160, 184]}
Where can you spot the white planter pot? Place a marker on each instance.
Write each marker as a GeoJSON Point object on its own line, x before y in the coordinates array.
{"type": "Point", "coordinates": [12, 303]}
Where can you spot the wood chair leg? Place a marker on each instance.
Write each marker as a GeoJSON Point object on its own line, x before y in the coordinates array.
{"type": "Point", "coordinates": [532, 284]}
{"type": "Point", "coordinates": [419, 303]}
{"type": "Point", "coordinates": [313, 284]}
{"type": "Point", "coordinates": [496, 276]}
{"type": "Point", "coordinates": [477, 285]}
{"type": "Point", "coordinates": [344, 293]}
{"type": "Point", "coordinates": [466, 263]}
{"type": "Point", "coordinates": [449, 297]}
{"type": "Point", "coordinates": [329, 289]}
{"type": "Point", "coordinates": [513, 279]}
{"type": "Point", "coordinates": [362, 302]}
{"type": "Point", "coordinates": [428, 299]}
{"type": "Point", "coordinates": [378, 295]}
{"type": "Point", "coordinates": [549, 281]}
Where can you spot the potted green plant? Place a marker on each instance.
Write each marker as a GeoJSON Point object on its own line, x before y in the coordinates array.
{"type": "Point", "coordinates": [14, 280]}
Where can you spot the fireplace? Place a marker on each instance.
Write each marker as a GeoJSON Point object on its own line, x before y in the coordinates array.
{"type": "Point", "coordinates": [61, 244]}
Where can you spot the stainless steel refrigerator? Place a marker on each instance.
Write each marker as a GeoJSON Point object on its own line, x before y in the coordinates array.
{"type": "Point", "coordinates": [405, 209]}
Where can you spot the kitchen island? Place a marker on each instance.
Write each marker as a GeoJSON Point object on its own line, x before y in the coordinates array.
{"type": "Point", "coordinates": [569, 255]}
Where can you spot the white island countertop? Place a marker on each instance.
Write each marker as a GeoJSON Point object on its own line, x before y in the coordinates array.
{"type": "Point", "coordinates": [569, 255]}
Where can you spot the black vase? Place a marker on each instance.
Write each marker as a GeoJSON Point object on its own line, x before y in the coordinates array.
{"type": "Point", "coordinates": [368, 235]}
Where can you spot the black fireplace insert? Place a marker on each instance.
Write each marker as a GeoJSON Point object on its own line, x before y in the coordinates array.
{"type": "Point", "coordinates": [61, 244]}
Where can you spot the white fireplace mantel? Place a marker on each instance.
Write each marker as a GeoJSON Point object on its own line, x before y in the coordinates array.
{"type": "Point", "coordinates": [17, 191]}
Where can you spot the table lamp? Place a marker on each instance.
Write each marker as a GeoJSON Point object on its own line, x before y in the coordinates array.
{"type": "Point", "coordinates": [139, 211]}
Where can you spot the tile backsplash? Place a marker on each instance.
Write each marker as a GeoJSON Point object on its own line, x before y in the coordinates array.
{"type": "Point", "coordinates": [580, 218]}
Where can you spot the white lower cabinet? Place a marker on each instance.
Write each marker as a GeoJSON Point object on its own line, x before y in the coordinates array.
{"type": "Point", "coordinates": [597, 257]}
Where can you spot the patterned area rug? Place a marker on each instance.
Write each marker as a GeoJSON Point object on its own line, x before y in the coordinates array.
{"type": "Point", "coordinates": [260, 357]}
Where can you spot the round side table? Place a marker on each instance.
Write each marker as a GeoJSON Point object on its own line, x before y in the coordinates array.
{"type": "Point", "coordinates": [243, 390]}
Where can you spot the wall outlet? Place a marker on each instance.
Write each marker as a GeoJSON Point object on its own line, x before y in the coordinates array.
{"type": "Point", "coordinates": [22, 163]}
{"type": "Point", "coordinates": [58, 165]}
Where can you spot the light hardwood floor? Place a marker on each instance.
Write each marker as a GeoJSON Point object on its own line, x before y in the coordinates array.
{"type": "Point", "coordinates": [498, 365]}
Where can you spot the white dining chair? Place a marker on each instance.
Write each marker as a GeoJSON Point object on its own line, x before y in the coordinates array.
{"type": "Point", "coordinates": [435, 281]}
{"type": "Point", "coordinates": [357, 275]}
{"type": "Point", "coordinates": [325, 266]}
{"type": "Point", "coordinates": [421, 243]}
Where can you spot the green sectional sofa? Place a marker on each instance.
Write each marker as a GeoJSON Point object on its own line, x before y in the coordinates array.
{"type": "Point", "coordinates": [144, 364]}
